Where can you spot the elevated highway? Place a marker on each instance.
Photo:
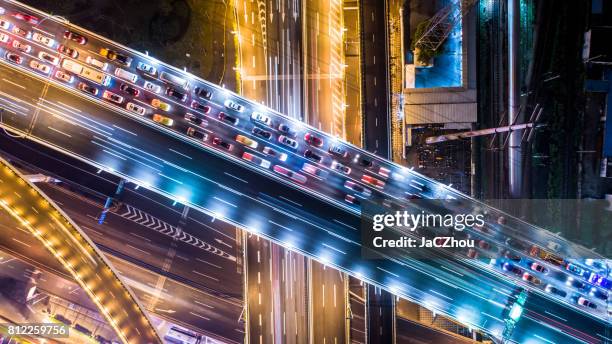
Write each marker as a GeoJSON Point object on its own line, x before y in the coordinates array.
{"type": "Point", "coordinates": [304, 210]}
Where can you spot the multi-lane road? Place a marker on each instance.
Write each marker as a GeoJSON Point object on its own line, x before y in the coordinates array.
{"type": "Point", "coordinates": [323, 52]}
{"type": "Point", "coordinates": [123, 145]}
{"type": "Point", "coordinates": [328, 303]}
{"type": "Point", "coordinates": [202, 260]}
{"type": "Point", "coordinates": [376, 117]}
{"type": "Point", "coordinates": [194, 307]}
{"type": "Point", "coordinates": [271, 59]}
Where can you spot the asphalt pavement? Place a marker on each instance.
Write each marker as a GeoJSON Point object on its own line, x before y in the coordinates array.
{"type": "Point", "coordinates": [376, 117]}
{"type": "Point", "coordinates": [381, 316]}
{"type": "Point", "coordinates": [270, 45]}
{"type": "Point", "coordinates": [328, 303]}
{"type": "Point", "coordinates": [322, 61]}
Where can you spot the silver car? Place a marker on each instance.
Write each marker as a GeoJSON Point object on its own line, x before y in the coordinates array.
{"type": "Point", "coordinates": [230, 104]}
{"type": "Point", "coordinates": [291, 143]}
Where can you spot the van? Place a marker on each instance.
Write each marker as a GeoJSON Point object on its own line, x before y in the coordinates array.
{"type": "Point", "coordinates": [96, 63]}
{"type": "Point", "coordinates": [72, 66]}
{"type": "Point", "coordinates": [95, 76]}
{"type": "Point", "coordinates": [173, 80]}
{"type": "Point", "coordinates": [124, 74]}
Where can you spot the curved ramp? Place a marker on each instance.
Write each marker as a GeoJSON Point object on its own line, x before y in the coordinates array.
{"type": "Point", "coordinates": [28, 205]}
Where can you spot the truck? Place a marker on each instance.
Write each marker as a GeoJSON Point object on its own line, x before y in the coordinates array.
{"type": "Point", "coordinates": [85, 72]}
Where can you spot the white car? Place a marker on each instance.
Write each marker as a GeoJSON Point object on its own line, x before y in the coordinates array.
{"type": "Point", "coordinates": [230, 104]}
{"type": "Point", "coordinates": [4, 37]}
{"type": "Point", "coordinates": [125, 75]}
{"type": "Point", "coordinates": [21, 46]}
{"type": "Point", "coordinates": [340, 167]}
{"type": "Point", "coordinates": [5, 24]}
{"type": "Point", "coordinates": [43, 68]}
{"type": "Point", "coordinates": [151, 87]}
{"type": "Point", "coordinates": [61, 75]}
{"type": "Point", "coordinates": [43, 39]}
{"type": "Point", "coordinates": [113, 97]}
{"type": "Point", "coordinates": [300, 178]}
{"type": "Point", "coordinates": [275, 154]}
{"type": "Point", "coordinates": [315, 171]}
{"type": "Point", "coordinates": [136, 108]}
{"type": "Point", "coordinates": [54, 60]}
{"type": "Point", "coordinates": [147, 69]}
{"type": "Point", "coordinates": [256, 160]}
{"type": "Point", "coordinates": [261, 118]}
{"type": "Point", "coordinates": [96, 63]}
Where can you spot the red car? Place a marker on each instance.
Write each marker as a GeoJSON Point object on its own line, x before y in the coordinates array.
{"type": "Point", "coordinates": [372, 181]}
{"type": "Point", "coordinates": [527, 277]}
{"type": "Point", "coordinates": [219, 142]}
{"type": "Point", "coordinates": [13, 58]}
{"type": "Point", "coordinates": [75, 37]}
{"type": "Point", "coordinates": [26, 17]}
{"type": "Point", "coordinates": [313, 140]}
{"type": "Point", "coordinates": [196, 105]}
{"type": "Point", "coordinates": [290, 174]}
{"type": "Point", "coordinates": [68, 51]}
{"type": "Point", "coordinates": [129, 90]}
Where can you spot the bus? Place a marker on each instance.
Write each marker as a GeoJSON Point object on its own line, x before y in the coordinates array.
{"type": "Point", "coordinates": [178, 335]}
{"type": "Point", "coordinates": [174, 80]}
{"type": "Point", "coordinates": [86, 72]}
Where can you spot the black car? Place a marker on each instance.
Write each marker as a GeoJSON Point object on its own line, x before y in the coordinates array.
{"type": "Point", "coordinates": [285, 129]}
{"type": "Point", "coordinates": [129, 90]}
{"type": "Point", "coordinates": [202, 93]}
{"type": "Point", "coordinates": [88, 89]}
{"type": "Point", "coordinates": [365, 162]}
{"type": "Point", "coordinates": [189, 117]}
{"type": "Point", "coordinates": [600, 294]}
{"type": "Point", "coordinates": [172, 92]}
{"type": "Point", "coordinates": [512, 268]}
{"type": "Point", "coordinates": [554, 290]}
{"type": "Point", "coordinates": [576, 284]}
{"type": "Point", "coordinates": [227, 118]}
{"type": "Point", "coordinates": [262, 133]}
{"type": "Point", "coordinates": [219, 142]}
{"type": "Point", "coordinates": [115, 56]}
{"type": "Point", "coordinates": [312, 156]}
{"type": "Point", "coordinates": [339, 151]}
{"type": "Point", "coordinates": [517, 244]}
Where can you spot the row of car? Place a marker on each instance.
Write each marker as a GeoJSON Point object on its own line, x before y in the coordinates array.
{"type": "Point", "coordinates": [288, 139]}
{"type": "Point", "coordinates": [512, 265]}
{"type": "Point", "coordinates": [287, 135]}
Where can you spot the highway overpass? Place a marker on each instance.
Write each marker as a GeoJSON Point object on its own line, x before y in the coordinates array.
{"type": "Point", "coordinates": [306, 212]}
